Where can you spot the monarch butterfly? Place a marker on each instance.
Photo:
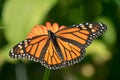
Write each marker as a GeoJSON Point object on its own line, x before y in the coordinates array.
{"type": "Point", "coordinates": [57, 46]}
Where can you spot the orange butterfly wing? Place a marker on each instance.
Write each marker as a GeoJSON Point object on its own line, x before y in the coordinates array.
{"type": "Point", "coordinates": [31, 49]}
{"type": "Point", "coordinates": [70, 49]}
{"type": "Point", "coordinates": [72, 43]}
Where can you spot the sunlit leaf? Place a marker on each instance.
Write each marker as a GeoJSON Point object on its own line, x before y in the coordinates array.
{"type": "Point", "coordinates": [19, 16]}
{"type": "Point", "coordinates": [110, 35]}
{"type": "Point", "coordinates": [99, 52]}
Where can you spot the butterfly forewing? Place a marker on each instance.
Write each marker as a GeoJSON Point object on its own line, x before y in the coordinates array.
{"type": "Point", "coordinates": [30, 49]}
{"type": "Point", "coordinates": [82, 34]}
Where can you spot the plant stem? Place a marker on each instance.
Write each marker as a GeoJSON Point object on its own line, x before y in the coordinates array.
{"type": "Point", "coordinates": [46, 74]}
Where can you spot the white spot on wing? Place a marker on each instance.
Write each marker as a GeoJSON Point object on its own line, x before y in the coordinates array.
{"type": "Point", "coordinates": [100, 24]}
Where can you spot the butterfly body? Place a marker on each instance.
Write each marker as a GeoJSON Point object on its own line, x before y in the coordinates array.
{"type": "Point", "coordinates": [56, 47]}
{"type": "Point", "coordinates": [52, 37]}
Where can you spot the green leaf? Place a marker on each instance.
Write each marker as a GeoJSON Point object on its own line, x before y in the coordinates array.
{"type": "Point", "coordinates": [19, 16]}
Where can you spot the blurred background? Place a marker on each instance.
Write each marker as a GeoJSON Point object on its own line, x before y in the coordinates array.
{"type": "Point", "coordinates": [102, 61]}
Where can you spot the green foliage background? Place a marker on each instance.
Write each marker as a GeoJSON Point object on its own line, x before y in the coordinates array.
{"type": "Point", "coordinates": [102, 61]}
